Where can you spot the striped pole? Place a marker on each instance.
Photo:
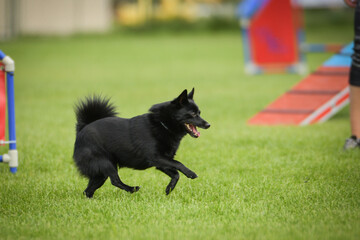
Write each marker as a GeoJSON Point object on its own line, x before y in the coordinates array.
{"type": "Point", "coordinates": [12, 156]}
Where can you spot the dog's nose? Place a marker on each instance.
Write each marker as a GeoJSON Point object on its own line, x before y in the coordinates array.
{"type": "Point", "coordinates": [207, 125]}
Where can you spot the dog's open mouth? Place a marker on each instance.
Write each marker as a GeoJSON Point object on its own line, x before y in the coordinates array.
{"type": "Point", "coordinates": [191, 129]}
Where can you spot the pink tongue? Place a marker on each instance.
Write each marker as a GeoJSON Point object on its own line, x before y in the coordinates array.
{"type": "Point", "coordinates": [193, 128]}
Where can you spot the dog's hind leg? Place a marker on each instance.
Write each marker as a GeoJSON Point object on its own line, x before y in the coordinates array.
{"type": "Point", "coordinates": [174, 174]}
{"type": "Point", "coordinates": [115, 180]}
{"type": "Point", "coordinates": [94, 183]}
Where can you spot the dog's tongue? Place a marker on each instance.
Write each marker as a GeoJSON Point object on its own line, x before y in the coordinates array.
{"type": "Point", "coordinates": [194, 130]}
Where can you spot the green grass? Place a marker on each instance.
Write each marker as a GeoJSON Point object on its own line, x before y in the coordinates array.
{"type": "Point", "coordinates": [254, 182]}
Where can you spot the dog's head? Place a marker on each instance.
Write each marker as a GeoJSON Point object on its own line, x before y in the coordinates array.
{"type": "Point", "coordinates": [188, 113]}
{"type": "Point", "coordinates": [181, 114]}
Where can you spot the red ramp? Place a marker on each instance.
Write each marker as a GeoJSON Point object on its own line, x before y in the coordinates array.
{"type": "Point", "coordinates": [315, 99]}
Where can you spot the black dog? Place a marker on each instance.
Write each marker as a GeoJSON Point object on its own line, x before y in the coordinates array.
{"type": "Point", "coordinates": [105, 142]}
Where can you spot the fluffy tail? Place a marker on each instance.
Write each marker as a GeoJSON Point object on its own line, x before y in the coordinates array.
{"type": "Point", "coordinates": [91, 109]}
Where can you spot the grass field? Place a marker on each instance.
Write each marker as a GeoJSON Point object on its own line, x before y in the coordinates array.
{"type": "Point", "coordinates": [254, 182]}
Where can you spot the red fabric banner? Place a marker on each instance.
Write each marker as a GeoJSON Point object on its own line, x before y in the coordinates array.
{"type": "Point", "coordinates": [273, 34]}
{"type": "Point", "coordinates": [2, 102]}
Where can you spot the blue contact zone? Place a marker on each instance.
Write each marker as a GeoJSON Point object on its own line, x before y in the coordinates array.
{"type": "Point", "coordinates": [348, 49]}
{"type": "Point", "coordinates": [341, 60]}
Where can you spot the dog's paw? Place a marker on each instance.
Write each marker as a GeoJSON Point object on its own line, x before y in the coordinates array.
{"type": "Point", "coordinates": [169, 189]}
{"type": "Point", "coordinates": [191, 175]}
{"type": "Point", "coordinates": [134, 189]}
{"type": "Point", "coordinates": [88, 195]}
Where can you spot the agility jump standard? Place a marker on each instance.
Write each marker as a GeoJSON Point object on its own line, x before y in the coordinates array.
{"type": "Point", "coordinates": [7, 68]}
{"type": "Point", "coordinates": [274, 37]}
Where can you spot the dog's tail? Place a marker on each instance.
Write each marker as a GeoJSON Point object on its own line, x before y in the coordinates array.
{"type": "Point", "coordinates": [93, 108]}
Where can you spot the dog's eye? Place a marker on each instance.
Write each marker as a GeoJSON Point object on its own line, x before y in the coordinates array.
{"type": "Point", "coordinates": [193, 114]}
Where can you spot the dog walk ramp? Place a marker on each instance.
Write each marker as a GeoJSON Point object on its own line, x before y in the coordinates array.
{"type": "Point", "coordinates": [315, 99]}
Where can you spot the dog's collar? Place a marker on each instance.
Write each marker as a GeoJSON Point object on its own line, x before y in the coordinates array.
{"type": "Point", "coordinates": [167, 129]}
{"type": "Point", "coordinates": [164, 126]}
{"type": "Point", "coordinates": [172, 133]}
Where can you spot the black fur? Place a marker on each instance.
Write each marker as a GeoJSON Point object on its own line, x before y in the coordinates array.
{"type": "Point", "coordinates": [92, 109]}
{"type": "Point", "coordinates": [105, 142]}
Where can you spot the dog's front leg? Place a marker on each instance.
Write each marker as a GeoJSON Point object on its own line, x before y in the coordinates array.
{"type": "Point", "coordinates": [174, 175]}
{"type": "Point", "coordinates": [165, 163]}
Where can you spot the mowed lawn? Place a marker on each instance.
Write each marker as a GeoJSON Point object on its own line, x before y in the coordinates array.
{"type": "Point", "coordinates": [254, 182]}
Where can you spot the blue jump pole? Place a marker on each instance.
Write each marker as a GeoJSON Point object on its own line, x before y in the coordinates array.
{"type": "Point", "coordinates": [11, 115]}
{"type": "Point", "coordinates": [11, 109]}
{"type": "Point", "coordinates": [12, 156]}
{"type": "Point", "coordinates": [2, 55]}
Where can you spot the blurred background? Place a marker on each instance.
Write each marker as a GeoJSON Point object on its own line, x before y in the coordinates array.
{"type": "Point", "coordinates": [40, 17]}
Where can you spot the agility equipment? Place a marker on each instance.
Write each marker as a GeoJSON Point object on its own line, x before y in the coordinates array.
{"type": "Point", "coordinates": [315, 99]}
{"type": "Point", "coordinates": [271, 33]}
{"type": "Point", "coordinates": [274, 37]}
{"type": "Point", "coordinates": [7, 68]}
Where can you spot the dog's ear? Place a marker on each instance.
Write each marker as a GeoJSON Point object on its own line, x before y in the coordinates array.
{"type": "Point", "coordinates": [156, 108]}
{"type": "Point", "coordinates": [181, 99]}
{"type": "Point", "coordinates": [191, 94]}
